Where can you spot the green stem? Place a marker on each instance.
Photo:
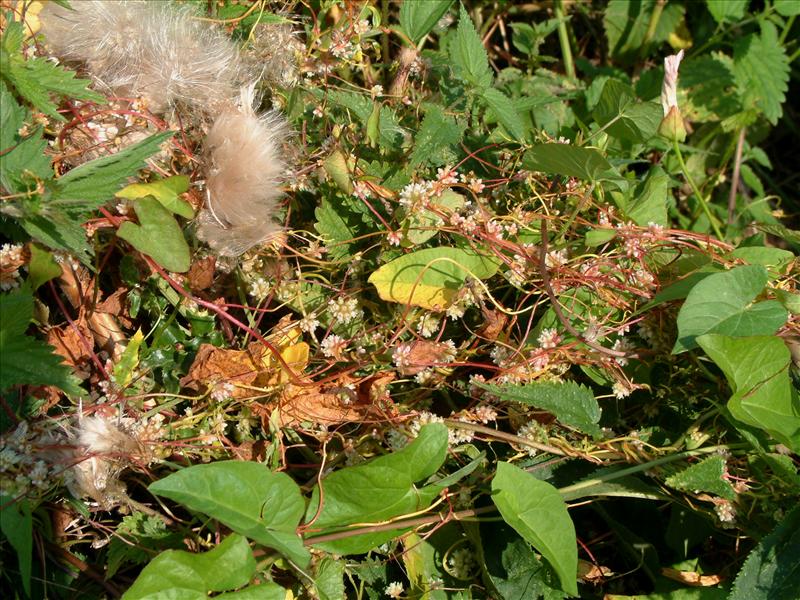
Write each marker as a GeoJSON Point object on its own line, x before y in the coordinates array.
{"type": "Point", "coordinates": [696, 190]}
{"type": "Point", "coordinates": [786, 29]}
{"type": "Point", "coordinates": [655, 17]}
{"type": "Point", "coordinates": [563, 38]}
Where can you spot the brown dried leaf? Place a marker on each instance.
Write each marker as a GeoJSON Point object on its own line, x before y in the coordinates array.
{"type": "Point", "coordinates": [214, 365]}
{"type": "Point", "coordinates": [494, 324]}
{"type": "Point", "coordinates": [424, 354]}
{"type": "Point", "coordinates": [67, 343]}
{"type": "Point", "coordinates": [691, 578]}
{"type": "Point", "coordinates": [201, 273]}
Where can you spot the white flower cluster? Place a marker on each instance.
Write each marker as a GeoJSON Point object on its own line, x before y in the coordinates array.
{"type": "Point", "coordinates": [10, 258]}
{"type": "Point", "coordinates": [343, 310]}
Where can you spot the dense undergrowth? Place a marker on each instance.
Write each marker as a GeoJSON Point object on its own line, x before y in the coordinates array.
{"type": "Point", "coordinates": [522, 336]}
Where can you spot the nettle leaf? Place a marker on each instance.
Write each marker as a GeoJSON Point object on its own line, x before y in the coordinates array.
{"type": "Point", "coordinates": [61, 232]}
{"type": "Point", "coordinates": [762, 70]}
{"type": "Point", "coordinates": [96, 182]}
{"type": "Point", "coordinates": [181, 574]}
{"type": "Point", "coordinates": [419, 17]}
{"type": "Point", "coordinates": [340, 223]}
{"type": "Point", "coordinates": [391, 133]}
{"type": "Point", "coordinates": [158, 235]}
{"type": "Point", "coordinates": [536, 511]}
{"type": "Point", "coordinates": [772, 569]}
{"type": "Point", "coordinates": [257, 503]}
{"type": "Point", "coordinates": [723, 303]}
{"type": "Point", "coordinates": [22, 156]}
{"type": "Point", "coordinates": [468, 54]}
{"type": "Point", "coordinates": [504, 111]}
{"type": "Point", "coordinates": [571, 403]}
{"type": "Point", "coordinates": [727, 10]}
{"type": "Point", "coordinates": [757, 369]}
{"type": "Point", "coordinates": [705, 476]}
{"type": "Point", "coordinates": [25, 360]}
{"type": "Point", "coordinates": [36, 78]}
{"type": "Point", "coordinates": [573, 161]}
{"type": "Point", "coordinates": [166, 191]}
{"type": "Point", "coordinates": [623, 117]}
{"type": "Point", "coordinates": [378, 490]}
{"type": "Point", "coordinates": [708, 88]}
{"type": "Point", "coordinates": [431, 278]}
{"type": "Point", "coordinates": [436, 134]}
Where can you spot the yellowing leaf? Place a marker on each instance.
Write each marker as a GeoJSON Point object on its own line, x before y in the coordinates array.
{"type": "Point", "coordinates": [165, 191]}
{"type": "Point", "coordinates": [431, 278]}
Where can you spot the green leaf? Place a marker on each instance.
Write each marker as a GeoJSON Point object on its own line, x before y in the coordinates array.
{"type": "Point", "coordinates": [337, 169]}
{"type": "Point", "coordinates": [22, 157]}
{"type": "Point", "coordinates": [127, 363]}
{"type": "Point", "coordinates": [649, 204]}
{"type": "Point", "coordinates": [391, 133]}
{"type": "Point", "coordinates": [776, 258]}
{"type": "Point", "coordinates": [708, 89]}
{"type": "Point", "coordinates": [723, 303]}
{"type": "Point", "coordinates": [23, 359]}
{"type": "Point", "coordinates": [772, 569]}
{"type": "Point", "coordinates": [504, 111]}
{"type": "Point", "coordinates": [625, 118]}
{"type": "Point", "coordinates": [572, 404]}
{"type": "Point", "coordinates": [181, 574]}
{"type": "Point", "coordinates": [422, 225]}
{"type": "Point", "coordinates": [762, 69]}
{"type": "Point", "coordinates": [257, 503]}
{"type": "Point", "coordinates": [572, 161]}
{"type": "Point", "coordinates": [36, 78]}
{"type": "Point", "coordinates": [57, 230]}
{"type": "Point", "coordinates": [437, 133]}
{"type": "Point", "coordinates": [787, 8]}
{"type": "Point", "coordinates": [431, 278]}
{"type": "Point", "coordinates": [329, 580]}
{"type": "Point", "coordinates": [527, 38]}
{"type": "Point", "coordinates": [536, 511]}
{"type": "Point", "coordinates": [165, 191]}
{"type": "Point", "coordinates": [706, 476]}
{"type": "Point", "coordinates": [757, 369]}
{"type": "Point", "coordinates": [727, 10]}
{"type": "Point", "coordinates": [338, 227]}
{"type": "Point", "coordinates": [16, 523]}
{"type": "Point", "coordinates": [135, 539]}
{"type": "Point", "coordinates": [418, 17]}
{"type": "Point", "coordinates": [468, 54]}
{"type": "Point", "coordinates": [96, 182]}
{"type": "Point", "coordinates": [42, 268]}
{"type": "Point", "coordinates": [626, 23]}
{"type": "Point", "coordinates": [376, 491]}
{"type": "Point", "coordinates": [158, 235]}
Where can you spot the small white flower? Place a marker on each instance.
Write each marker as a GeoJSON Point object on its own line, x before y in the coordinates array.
{"type": "Point", "coordinates": [401, 355]}
{"type": "Point", "coordinates": [549, 338]}
{"type": "Point", "coordinates": [446, 176]}
{"type": "Point", "coordinates": [361, 190]}
{"type": "Point", "coordinates": [376, 90]}
{"type": "Point", "coordinates": [394, 589]}
{"type": "Point", "coordinates": [485, 413]}
{"type": "Point", "coordinates": [309, 324]}
{"type": "Point", "coordinates": [394, 238]}
{"type": "Point", "coordinates": [428, 325]}
{"type": "Point", "coordinates": [415, 194]}
{"type": "Point", "coordinates": [343, 309]}
{"type": "Point", "coordinates": [333, 346]}
{"type": "Point", "coordinates": [317, 112]}
{"type": "Point", "coordinates": [669, 88]}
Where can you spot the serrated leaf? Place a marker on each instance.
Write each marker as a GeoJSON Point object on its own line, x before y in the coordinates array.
{"type": "Point", "coordinates": [417, 18]}
{"type": "Point", "coordinates": [127, 363]}
{"type": "Point", "coordinates": [431, 278]}
{"type": "Point", "coordinates": [165, 191]}
{"type": "Point", "coordinates": [181, 574]}
{"type": "Point", "coordinates": [96, 182]}
{"type": "Point", "coordinates": [723, 303]}
{"type": "Point", "coordinates": [571, 403]}
{"type": "Point", "coordinates": [727, 10]}
{"type": "Point", "coordinates": [708, 89]}
{"type": "Point", "coordinates": [36, 78]}
{"type": "Point", "coordinates": [762, 69]}
{"type": "Point", "coordinates": [705, 476]}
{"type": "Point", "coordinates": [158, 235]}
{"type": "Point", "coordinates": [338, 228]}
{"type": "Point", "coordinates": [772, 569]}
{"type": "Point", "coordinates": [504, 111]}
{"type": "Point", "coordinates": [60, 232]}
{"type": "Point", "coordinates": [757, 369]}
{"type": "Point", "coordinates": [22, 157]}
{"type": "Point", "coordinates": [587, 164]}
{"type": "Point", "coordinates": [468, 54]}
{"type": "Point", "coordinates": [438, 131]}
{"type": "Point", "coordinates": [536, 511]}
{"type": "Point", "coordinates": [258, 503]}
{"type": "Point", "coordinates": [23, 359]}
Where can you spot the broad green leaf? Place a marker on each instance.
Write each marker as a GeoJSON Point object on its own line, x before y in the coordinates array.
{"type": "Point", "coordinates": [255, 502]}
{"type": "Point", "coordinates": [650, 197]}
{"type": "Point", "coordinates": [505, 112]}
{"type": "Point", "coordinates": [772, 569]}
{"type": "Point", "coordinates": [25, 360]}
{"type": "Point", "coordinates": [36, 78]}
{"type": "Point", "coordinates": [527, 38]}
{"type": "Point", "coordinates": [391, 133]}
{"type": "Point", "coordinates": [727, 10]}
{"type": "Point", "coordinates": [165, 191]}
{"type": "Point", "coordinates": [158, 235]}
{"type": "Point", "coordinates": [16, 523]}
{"type": "Point", "coordinates": [762, 69]}
{"type": "Point", "coordinates": [536, 511]}
{"type": "Point", "coordinates": [96, 182]}
{"type": "Point", "coordinates": [181, 574]}
{"type": "Point", "coordinates": [778, 230]}
{"type": "Point", "coordinates": [789, 300]}
{"type": "Point", "coordinates": [787, 8]}
{"type": "Point", "coordinates": [418, 17]}
{"type": "Point", "coordinates": [437, 133]}
{"type": "Point", "coordinates": [262, 591]}
{"type": "Point", "coordinates": [468, 54]}
{"type": "Point", "coordinates": [422, 457]}
{"type": "Point", "coordinates": [572, 161]}
{"type": "Point", "coordinates": [623, 117]}
{"type": "Point", "coordinates": [777, 258]}
{"type": "Point", "coordinates": [422, 225]}
{"type": "Point", "coordinates": [329, 580]}
{"type": "Point", "coordinates": [337, 169]}
{"type": "Point", "coordinates": [596, 237]}
{"type": "Point", "coordinates": [626, 23]}
{"type": "Point", "coordinates": [572, 404]}
{"type": "Point", "coordinates": [757, 369]}
{"type": "Point", "coordinates": [724, 303]}
{"type": "Point", "coordinates": [705, 476]}
{"type": "Point", "coordinates": [431, 278]}
{"type": "Point", "coordinates": [42, 267]}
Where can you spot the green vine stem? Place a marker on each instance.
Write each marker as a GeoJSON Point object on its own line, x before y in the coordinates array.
{"type": "Point", "coordinates": [563, 38]}
{"type": "Point", "coordinates": [696, 190]}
